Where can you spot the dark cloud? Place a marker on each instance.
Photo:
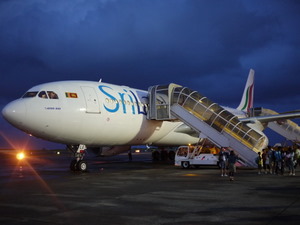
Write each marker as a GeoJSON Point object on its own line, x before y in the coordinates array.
{"type": "Point", "coordinates": [208, 46]}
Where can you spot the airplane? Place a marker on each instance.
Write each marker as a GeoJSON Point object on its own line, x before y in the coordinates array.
{"type": "Point", "coordinates": [108, 118]}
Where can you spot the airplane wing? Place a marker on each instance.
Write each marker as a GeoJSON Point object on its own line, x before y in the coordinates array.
{"type": "Point", "coordinates": [271, 118]}
{"type": "Point", "coordinates": [262, 119]}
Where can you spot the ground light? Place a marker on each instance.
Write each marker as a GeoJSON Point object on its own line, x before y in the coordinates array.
{"type": "Point", "coordinates": [20, 155]}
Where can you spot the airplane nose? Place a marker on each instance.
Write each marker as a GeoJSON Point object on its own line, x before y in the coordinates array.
{"type": "Point", "coordinates": [15, 112]}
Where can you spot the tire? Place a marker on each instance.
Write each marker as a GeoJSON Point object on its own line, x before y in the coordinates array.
{"type": "Point", "coordinates": [185, 164]}
{"type": "Point", "coordinates": [164, 155]}
{"type": "Point", "coordinates": [82, 166]}
{"type": "Point", "coordinates": [155, 156]}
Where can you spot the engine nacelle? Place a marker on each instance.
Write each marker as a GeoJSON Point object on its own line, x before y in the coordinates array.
{"type": "Point", "coordinates": [259, 127]}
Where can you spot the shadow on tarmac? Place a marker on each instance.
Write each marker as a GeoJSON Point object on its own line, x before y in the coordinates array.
{"type": "Point", "coordinates": [42, 190]}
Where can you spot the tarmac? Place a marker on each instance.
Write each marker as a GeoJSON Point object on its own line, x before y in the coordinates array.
{"type": "Point", "coordinates": [42, 190]}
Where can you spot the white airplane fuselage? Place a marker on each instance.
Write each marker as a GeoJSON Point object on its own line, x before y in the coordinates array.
{"type": "Point", "coordinates": [91, 113]}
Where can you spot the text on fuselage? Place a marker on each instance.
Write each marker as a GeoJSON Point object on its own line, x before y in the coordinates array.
{"type": "Point", "coordinates": [125, 101]}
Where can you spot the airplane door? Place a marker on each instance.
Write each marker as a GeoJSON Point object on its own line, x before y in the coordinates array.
{"type": "Point", "coordinates": [91, 100]}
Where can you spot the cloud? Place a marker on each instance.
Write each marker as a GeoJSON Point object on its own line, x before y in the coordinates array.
{"type": "Point", "coordinates": [137, 41]}
{"type": "Point", "coordinates": [190, 36]}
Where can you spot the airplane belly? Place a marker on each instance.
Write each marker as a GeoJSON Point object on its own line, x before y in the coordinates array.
{"type": "Point", "coordinates": [130, 131]}
{"type": "Point", "coordinates": [107, 129]}
{"type": "Point", "coordinates": [137, 131]}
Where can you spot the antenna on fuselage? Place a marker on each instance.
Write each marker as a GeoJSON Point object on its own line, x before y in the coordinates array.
{"type": "Point", "coordinates": [100, 80]}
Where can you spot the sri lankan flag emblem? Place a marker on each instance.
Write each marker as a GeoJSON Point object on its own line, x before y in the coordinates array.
{"type": "Point", "coordinates": [71, 95]}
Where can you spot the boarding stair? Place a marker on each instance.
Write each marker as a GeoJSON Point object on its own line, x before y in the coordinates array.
{"type": "Point", "coordinates": [286, 128]}
{"type": "Point", "coordinates": [173, 102]}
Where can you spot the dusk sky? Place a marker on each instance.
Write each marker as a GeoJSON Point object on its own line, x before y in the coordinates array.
{"type": "Point", "coordinates": [208, 46]}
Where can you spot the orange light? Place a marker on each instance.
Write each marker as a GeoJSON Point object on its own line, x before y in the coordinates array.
{"type": "Point", "coordinates": [20, 155]}
{"type": "Point", "coordinates": [191, 175]}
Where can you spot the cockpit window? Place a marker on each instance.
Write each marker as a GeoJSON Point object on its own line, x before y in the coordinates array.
{"type": "Point", "coordinates": [52, 95]}
{"type": "Point", "coordinates": [30, 94]}
{"type": "Point", "coordinates": [43, 94]}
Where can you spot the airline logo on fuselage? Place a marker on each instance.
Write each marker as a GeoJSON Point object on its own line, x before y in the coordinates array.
{"type": "Point", "coordinates": [125, 101]}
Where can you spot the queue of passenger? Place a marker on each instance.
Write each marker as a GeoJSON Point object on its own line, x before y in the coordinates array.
{"type": "Point", "coordinates": [273, 160]}
{"type": "Point", "coordinates": [278, 160]}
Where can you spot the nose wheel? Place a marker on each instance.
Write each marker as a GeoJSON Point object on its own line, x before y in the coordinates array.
{"type": "Point", "coordinates": [78, 164]}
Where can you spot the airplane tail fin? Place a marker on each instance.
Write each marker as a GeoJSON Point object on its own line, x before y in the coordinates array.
{"type": "Point", "coordinates": [247, 98]}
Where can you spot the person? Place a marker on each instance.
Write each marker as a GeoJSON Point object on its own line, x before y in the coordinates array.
{"type": "Point", "coordinates": [232, 158]}
{"type": "Point", "coordinates": [289, 161]}
{"type": "Point", "coordinates": [52, 95]}
{"type": "Point", "coordinates": [130, 155]}
{"type": "Point", "coordinates": [297, 156]}
{"type": "Point", "coordinates": [223, 155]}
{"type": "Point", "coordinates": [283, 163]}
{"type": "Point", "coordinates": [271, 158]}
{"type": "Point", "coordinates": [278, 160]}
{"type": "Point", "coordinates": [268, 167]}
{"type": "Point", "coordinates": [259, 162]}
{"type": "Point", "coordinates": [264, 157]}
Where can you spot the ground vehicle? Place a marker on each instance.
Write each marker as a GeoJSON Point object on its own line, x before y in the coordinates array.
{"type": "Point", "coordinates": [187, 156]}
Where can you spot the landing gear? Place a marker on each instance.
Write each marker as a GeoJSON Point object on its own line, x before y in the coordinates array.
{"type": "Point", "coordinates": [78, 164]}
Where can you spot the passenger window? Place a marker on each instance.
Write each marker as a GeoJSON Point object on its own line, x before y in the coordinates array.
{"type": "Point", "coordinates": [30, 94]}
{"type": "Point", "coordinates": [43, 94]}
{"type": "Point", "coordinates": [52, 95]}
